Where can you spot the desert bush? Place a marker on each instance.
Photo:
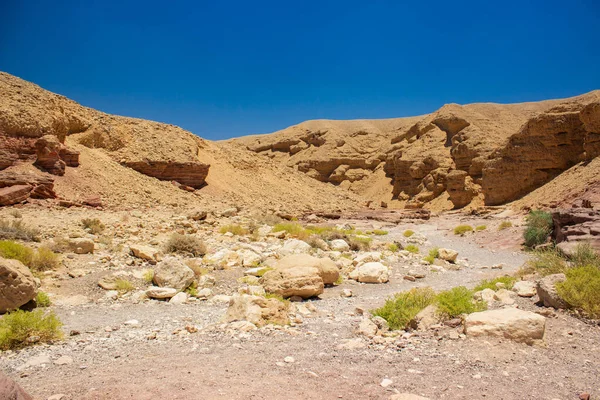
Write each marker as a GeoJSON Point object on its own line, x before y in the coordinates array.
{"type": "Point", "coordinates": [462, 229]}
{"type": "Point", "coordinates": [185, 244]}
{"type": "Point", "coordinates": [411, 248]}
{"type": "Point", "coordinates": [408, 233]}
{"type": "Point", "coordinates": [16, 251]}
{"type": "Point", "coordinates": [508, 282]}
{"type": "Point", "coordinates": [433, 254]}
{"type": "Point", "coordinates": [581, 290]}
{"type": "Point", "coordinates": [44, 259]}
{"type": "Point", "coordinates": [17, 230]}
{"type": "Point", "coordinates": [585, 255]}
{"type": "Point", "coordinates": [505, 225]}
{"type": "Point", "coordinates": [538, 227]}
{"type": "Point", "coordinates": [480, 228]}
{"type": "Point", "coordinates": [399, 310]}
{"type": "Point", "coordinates": [20, 328]}
{"type": "Point", "coordinates": [94, 225]}
{"type": "Point", "coordinates": [379, 232]}
{"type": "Point", "coordinates": [148, 276]}
{"type": "Point", "coordinates": [456, 301]}
{"type": "Point", "coordinates": [192, 290]}
{"type": "Point", "coordinates": [42, 299]}
{"type": "Point", "coordinates": [359, 243]}
{"type": "Point", "coordinates": [123, 286]}
{"type": "Point", "coordinates": [393, 247]}
{"type": "Point", "coordinates": [545, 262]}
{"type": "Point", "coordinates": [234, 229]}
{"type": "Point", "coordinates": [291, 228]}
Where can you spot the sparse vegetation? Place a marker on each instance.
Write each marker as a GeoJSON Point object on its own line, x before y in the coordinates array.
{"type": "Point", "coordinates": [17, 230]}
{"type": "Point", "coordinates": [44, 259]}
{"type": "Point", "coordinates": [359, 243]}
{"type": "Point", "coordinates": [123, 286]}
{"type": "Point", "coordinates": [505, 225]}
{"type": "Point", "coordinates": [339, 280]}
{"type": "Point", "coordinates": [581, 290]}
{"type": "Point", "coordinates": [545, 262]}
{"type": "Point", "coordinates": [411, 248]}
{"type": "Point", "coordinates": [276, 297]}
{"type": "Point", "coordinates": [456, 301]}
{"type": "Point", "coordinates": [379, 232]}
{"type": "Point", "coordinates": [186, 244]}
{"type": "Point", "coordinates": [393, 247]}
{"type": "Point", "coordinates": [263, 271]}
{"type": "Point", "coordinates": [148, 276]}
{"type": "Point", "coordinates": [196, 266]}
{"type": "Point", "coordinates": [408, 233]}
{"type": "Point", "coordinates": [462, 229]}
{"type": "Point", "coordinates": [192, 290]}
{"type": "Point", "coordinates": [399, 310]}
{"type": "Point", "coordinates": [507, 280]}
{"type": "Point", "coordinates": [433, 254]}
{"type": "Point", "coordinates": [42, 299]}
{"type": "Point", "coordinates": [585, 255]}
{"type": "Point", "coordinates": [94, 225]}
{"type": "Point", "coordinates": [20, 328]}
{"type": "Point", "coordinates": [233, 229]}
{"type": "Point", "coordinates": [480, 228]}
{"type": "Point", "coordinates": [539, 225]}
{"type": "Point", "coordinates": [16, 251]}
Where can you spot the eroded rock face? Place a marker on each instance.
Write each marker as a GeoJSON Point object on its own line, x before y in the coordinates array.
{"type": "Point", "coordinates": [192, 174]}
{"type": "Point", "coordinates": [577, 225]}
{"type": "Point", "coordinates": [16, 187]}
{"type": "Point", "coordinates": [17, 285]}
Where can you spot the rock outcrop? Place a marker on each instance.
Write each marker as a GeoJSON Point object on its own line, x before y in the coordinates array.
{"type": "Point", "coordinates": [16, 187]}
{"type": "Point", "coordinates": [53, 156]}
{"type": "Point", "coordinates": [576, 225]}
{"type": "Point", "coordinates": [17, 285]}
{"type": "Point", "coordinates": [191, 174]}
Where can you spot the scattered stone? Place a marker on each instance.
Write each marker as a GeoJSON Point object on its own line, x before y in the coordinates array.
{"type": "Point", "coordinates": [145, 252]}
{"type": "Point", "coordinates": [38, 360]}
{"type": "Point", "coordinates": [339, 245]}
{"type": "Point", "coordinates": [258, 271]}
{"type": "Point", "coordinates": [409, 278]}
{"type": "Point", "coordinates": [498, 266]}
{"type": "Point", "coordinates": [447, 255]}
{"type": "Point", "coordinates": [289, 359]}
{"type": "Point", "coordinates": [525, 288]}
{"type": "Point", "coordinates": [294, 246]}
{"type": "Point", "coordinates": [407, 396]}
{"type": "Point", "coordinates": [509, 323]}
{"type": "Point", "coordinates": [179, 298]}
{"type": "Point", "coordinates": [504, 296]}
{"type": "Point", "coordinates": [386, 382]}
{"type": "Point", "coordinates": [546, 291]}
{"type": "Point", "coordinates": [64, 360]}
{"type": "Point", "coordinates": [155, 292]}
{"type": "Point", "coordinates": [371, 272]}
{"type": "Point", "coordinates": [173, 273]}
{"type": "Point", "coordinates": [352, 344]}
{"type": "Point", "coordinates": [346, 293]}
{"type": "Point", "coordinates": [382, 324]}
{"type": "Point", "coordinates": [426, 318]}
{"type": "Point", "coordinates": [366, 328]}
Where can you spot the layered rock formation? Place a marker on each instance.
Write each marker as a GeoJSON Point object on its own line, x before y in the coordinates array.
{"type": "Point", "coordinates": [16, 187]}
{"type": "Point", "coordinates": [576, 225]}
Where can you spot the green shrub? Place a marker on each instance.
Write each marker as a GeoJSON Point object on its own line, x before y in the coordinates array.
{"type": "Point", "coordinates": [411, 248]}
{"type": "Point", "coordinates": [379, 232]}
{"type": "Point", "coordinates": [505, 225]}
{"type": "Point", "coordinates": [508, 282]}
{"type": "Point", "coordinates": [585, 255]}
{"type": "Point", "coordinates": [234, 229]}
{"type": "Point", "coordinates": [123, 286]}
{"type": "Point", "coordinates": [186, 244]}
{"type": "Point", "coordinates": [408, 233]}
{"type": "Point", "coordinates": [433, 254]}
{"type": "Point", "coordinates": [192, 290]}
{"type": "Point", "coordinates": [456, 301]}
{"type": "Point", "coordinates": [480, 228]}
{"type": "Point", "coordinates": [359, 243]}
{"type": "Point", "coordinates": [17, 230]}
{"type": "Point", "coordinates": [94, 225]}
{"type": "Point", "coordinates": [16, 251]}
{"type": "Point", "coordinates": [42, 299]}
{"type": "Point", "coordinates": [538, 228]}
{"type": "Point", "coordinates": [462, 229]}
{"type": "Point", "coordinates": [545, 262]}
{"type": "Point", "coordinates": [149, 276]}
{"type": "Point", "coordinates": [399, 310]}
{"type": "Point", "coordinates": [581, 290]}
{"type": "Point", "coordinates": [44, 259]}
{"type": "Point", "coordinates": [292, 229]}
{"type": "Point", "coordinates": [23, 328]}
{"type": "Point", "coordinates": [393, 247]}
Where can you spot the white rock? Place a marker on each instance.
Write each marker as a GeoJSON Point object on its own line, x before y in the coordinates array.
{"type": "Point", "coordinates": [289, 359]}
{"type": "Point", "coordinates": [346, 293]}
{"type": "Point", "coordinates": [38, 360]}
{"type": "Point", "coordinates": [339, 245]}
{"type": "Point", "coordinates": [132, 322]}
{"type": "Point", "coordinates": [505, 297]}
{"type": "Point", "coordinates": [371, 272]}
{"type": "Point", "coordinates": [155, 292]}
{"type": "Point", "coordinates": [509, 323]}
{"type": "Point", "coordinates": [367, 257]}
{"type": "Point", "coordinates": [386, 382]}
{"type": "Point", "coordinates": [294, 246]}
{"type": "Point", "coordinates": [447, 255]}
{"type": "Point", "coordinates": [179, 298]}
{"type": "Point", "coordinates": [525, 288]}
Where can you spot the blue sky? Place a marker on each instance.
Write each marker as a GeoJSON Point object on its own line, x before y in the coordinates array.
{"type": "Point", "coordinates": [229, 68]}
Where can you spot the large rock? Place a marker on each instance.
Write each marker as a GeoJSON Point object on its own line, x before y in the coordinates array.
{"type": "Point", "coordinates": [160, 292]}
{"type": "Point", "coordinates": [576, 225]}
{"type": "Point", "coordinates": [328, 270]}
{"type": "Point", "coordinates": [546, 291]}
{"type": "Point", "coordinates": [371, 272]}
{"type": "Point", "coordinates": [257, 310]}
{"type": "Point", "coordinates": [447, 255]}
{"type": "Point", "coordinates": [10, 390]}
{"type": "Point", "coordinates": [17, 285]}
{"type": "Point", "coordinates": [145, 252]}
{"type": "Point", "coordinates": [294, 246]}
{"type": "Point", "coordinates": [19, 186]}
{"type": "Point", "coordinates": [299, 281]}
{"type": "Point", "coordinates": [14, 194]}
{"type": "Point", "coordinates": [508, 323]}
{"type": "Point", "coordinates": [173, 273]}
{"type": "Point", "coordinates": [339, 245]}
{"type": "Point", "coordinates": [81, 246]}
{"type": "Point", "coordinates": [48, 150]}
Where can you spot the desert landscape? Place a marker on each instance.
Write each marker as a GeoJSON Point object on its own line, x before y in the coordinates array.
{"type": "Point", "coordinates": [453, 255]}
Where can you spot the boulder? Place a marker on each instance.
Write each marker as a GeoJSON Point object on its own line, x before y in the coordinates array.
{"type": "Point", "coordinates": [294, 246]}
{"type": "Point", "coordinates": [14, 194]}
{"type": "Point", "coordinates": [223, 258]}
{"type": "Point", "coordinates": [17, 285]}
{"type": "Point", "coordinates": [173, 273]}
{"type": "Point", "coordinates": [328, 270]}
{"type": "Point", "coordinates": [447, 255]}
{"type": "Point", "coordinates": [155, 292]}
{"type": "Point", "coordinates": [339, 245]}
{"type": "Point", "coordinates": [179, 298]}
{"type": "Point", "coordinates": [10, 390]}
{"type": "Point", "coordinates": [257, 310]}
{"type": "Point", "coordinates": [509, 323]}
{"type": "Point", "coordinates": [299, 281]}
{"type": "Point", "coordinates": [525, 288]}
{"type": "Point", "coordinates": [504, 296]}
{"type": "Point", "coordinates": [371, 272]}
{"type": "Point", "coordinates": [81, 246]}
{"type": "Point", "coordinates": [426, 318]}
{"type": "Point", "coordinates": [145, 252]}
{"type": "Point", "coordinates": [546, 291]}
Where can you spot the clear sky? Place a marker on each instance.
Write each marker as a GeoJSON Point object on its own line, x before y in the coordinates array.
{"type": "Point", "coordinates": [230, 68]}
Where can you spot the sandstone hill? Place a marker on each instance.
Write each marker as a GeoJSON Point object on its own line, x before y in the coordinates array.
{"type": "Point", "coordinates": [536, 154]}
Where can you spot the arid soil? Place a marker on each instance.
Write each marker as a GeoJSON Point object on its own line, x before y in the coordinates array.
{"type": "Point", "coordinates": [130, 348]}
